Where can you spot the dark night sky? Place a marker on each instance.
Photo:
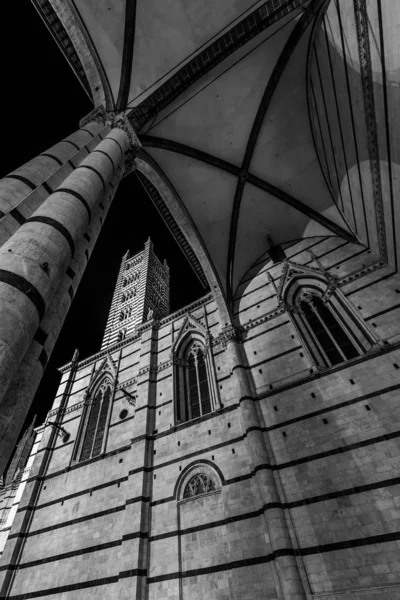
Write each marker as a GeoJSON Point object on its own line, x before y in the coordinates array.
{"type": "Point", "coordinates": [41, 102]}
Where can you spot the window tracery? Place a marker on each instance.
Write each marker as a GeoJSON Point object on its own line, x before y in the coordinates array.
{"type": "Point", "coordinates": [194, 380]}
{"type": "Point", "coordinates": [95, 419]}
{"type": "Point", "coordinates": [330, 327]}
{"type": "Point", "coordinates": [198, 484]}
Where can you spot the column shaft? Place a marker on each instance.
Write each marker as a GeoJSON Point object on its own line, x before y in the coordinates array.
{"type": "Point", "coordinates": [20, 183]}
{"type": "Point", "coordinates": [17, 401]}
{"type": "Point", "coordinates": [33, 262]}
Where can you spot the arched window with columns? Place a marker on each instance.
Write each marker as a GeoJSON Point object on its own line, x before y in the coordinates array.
{"type": "Point", "coordinates": [331, 328]}
{"type": "Point", "coordinates": [194, 377]}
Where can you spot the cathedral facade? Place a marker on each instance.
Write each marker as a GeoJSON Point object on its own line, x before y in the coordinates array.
{"type": "Point", "coordinates": [245, 446]}
{"type": "Point", "coordinates": [190, 460]}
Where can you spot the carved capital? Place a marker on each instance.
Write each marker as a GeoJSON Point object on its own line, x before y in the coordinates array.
{"type": "Point", "coordinates": [121, 121]}
{"type": "Point", "coordinates": [230, 334]}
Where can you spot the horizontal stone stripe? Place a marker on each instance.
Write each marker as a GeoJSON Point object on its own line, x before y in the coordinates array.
{"type": "Point", "coordinates": [246, 562]}
{"type": "Point", "coordinates": [194, 422]}
{"type": "Point", "coordinates": [17, 216]}
{"type": "Point", "coordinates": [99, 175]}
{"type": "Point", "coordinates": [157, 380]}
{"type": "Point", "coordinates": [24, 286]}
{"type": "Point", "coordinates": [259, 364]}
{"type": "Point", "coordinates": [46, 186]}
{"type": "Point", "coordinates": [54, 448]}
{"type": "Point", "coordinates": [22, 179]}
{"type": "Point", "coordinates": [340, 262]}
{"type": "Point", "coordinates": [107, 155]}
{"type": "Point", "coordinates": [58, 226]}
{"type": "Point", "coordinates": [90, 517]}
{"type": "Point", "coordinates": [267, 360]}
{"type": "Point", "coordinates": [87, 131]}
{"type": "Point", "coordinates": [72, 144]}
{"type": "Point", "coordinates": [260, 301]}
{"type": "Point", "coordinates": [382, 312]}
{"type": "Point", "coordinates": [326, 373]}
{"type": "Point", "coordinates": [332, 408]}
{"type": "Point", "coordinates": [111, 139]}
{"type": "Point", "coordinates": [79, 197]}
{"type": "Point", "coordinates": [189, 455]}
{"type": "Point", "coordinates": [256, 335]}
{"type": "Point", "coordinates": [60, 499]}
{"type": "Point", "coordinates": [335, 451]}
{"type": "Point", "coordinates": [40, 336]}
{"type": "Point", "coordinates": [82, 464]}
{"type": "Point", "coordinates": [43, 358]}
{"type": "Point", "coordinates": [53, 157]}
{"type": "Point", "coordinates": [63, 556]}
{"type": "Point", "coordinates": [240, 298]}
{"type": "Point", "coordinates": [310, 551]}
{"type": "Point", "coordinates": [206, 526]}
{"type": "Point", "coordinates": [367, 285]}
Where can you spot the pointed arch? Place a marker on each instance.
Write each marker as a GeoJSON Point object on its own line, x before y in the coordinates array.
{"type": "Point", "coordinates": [331, 328]}
{"type": "Point", "coordinates": [195, 390]}
{"type": "Point", "coordinates": [92, 432]}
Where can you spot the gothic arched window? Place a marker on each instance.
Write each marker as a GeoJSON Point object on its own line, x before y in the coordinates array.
{"type": "Point", "coordinates": [332, 330]}
{"type": "Point", "coordinates": [94, 422]}
{"type": "Point", "coordinates": [198, 484]}
{"type": "Point", "coordinates": [194, 390]}
{"type": "Point", "coordinates": [328, 333]}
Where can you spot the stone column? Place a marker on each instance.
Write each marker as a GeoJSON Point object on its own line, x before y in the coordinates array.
{"type": "Point", "coordinates": [23, 190]}
{"type": "Point", "coordinates": [287, 571]}
{"type": "Point", "coordinates": [35, 259]}
{"type": "Point", "coordinates": [17, 401]}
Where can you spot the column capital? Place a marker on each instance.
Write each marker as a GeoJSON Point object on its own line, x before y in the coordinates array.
{"type": "Point", "coordinates": [121, 121]}
{"type": "Point", "coordinates": [230, 334]}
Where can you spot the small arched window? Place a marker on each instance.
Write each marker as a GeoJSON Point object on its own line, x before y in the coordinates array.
{"type": "Point", "coordinates": [95, 419]}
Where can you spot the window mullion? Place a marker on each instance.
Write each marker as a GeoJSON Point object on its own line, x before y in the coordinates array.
{"type": "Point", "coordinates": [315, 311]}
{"type": "Point", "coordinates": [318, 346]}
{"type": "Point", "coordinates": [97, 423]}
{"type": "Point", "coordinates": [198, 385]}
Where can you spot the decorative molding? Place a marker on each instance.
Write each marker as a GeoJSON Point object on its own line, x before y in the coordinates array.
{"type": "Point", "coordinates": [361, 273]}
{"type": "Point", "coordinates": [364, 52]}
{"type": "Point", "coordinates": [98, 114]}
{"type": "Point", "coordinates": [125, 384]}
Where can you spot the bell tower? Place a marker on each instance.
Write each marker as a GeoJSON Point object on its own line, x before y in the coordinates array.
{"type": "Point", "coordinates": [141, 294]}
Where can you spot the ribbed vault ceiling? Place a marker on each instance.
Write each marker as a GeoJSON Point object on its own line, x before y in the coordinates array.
{"type": "Point", "coordinates": [218, 91]}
